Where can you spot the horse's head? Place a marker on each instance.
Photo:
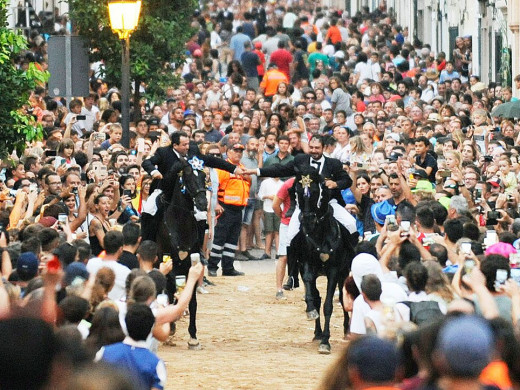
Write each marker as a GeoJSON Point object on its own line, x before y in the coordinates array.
{"type": "Point", "coordinates": [310, 195]}
{"type": "Point", "coordinates": [195, 182]}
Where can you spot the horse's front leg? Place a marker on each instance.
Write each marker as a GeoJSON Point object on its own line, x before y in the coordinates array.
{"type": "Point", "coordinates": [309, 282]}
{"type": "Point", "coordinates": [332, 282]}
{"type": "Point", "coordinates": [192, 328]}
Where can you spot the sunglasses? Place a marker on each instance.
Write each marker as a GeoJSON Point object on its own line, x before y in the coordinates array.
{"type": "Point", "coordinates": [238, 150]}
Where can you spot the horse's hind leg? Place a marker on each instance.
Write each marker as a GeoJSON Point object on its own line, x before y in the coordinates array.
{"type": "Point", "coordinates": [192, 328]}
{"type": "Point", "coordinates": [309, 282]}
{"type": "Point", "coordinates": [346, 317]}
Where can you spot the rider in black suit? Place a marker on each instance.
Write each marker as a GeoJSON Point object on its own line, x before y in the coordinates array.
{"type": "Point", "coordinates": [162, 161]}
{"type": "Point", "coordinates": [165, 157]}
{"type": "Point", "coordinates": [336, 179]}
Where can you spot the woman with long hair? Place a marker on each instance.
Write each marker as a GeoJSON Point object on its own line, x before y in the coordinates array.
{"type": "Point", "coordinates": [282, 96]}
{"type": "Point", "coordinates": [127, 186]}
{"type": "Point", "coordinates": [99, 223]}
{"type": "Point", "coordinates": [105, 329]}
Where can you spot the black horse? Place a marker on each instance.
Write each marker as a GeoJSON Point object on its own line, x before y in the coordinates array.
{"type": "Point", "coordinates": [323, 247]}
{"type": "Point", "coordinates": [178, 235]}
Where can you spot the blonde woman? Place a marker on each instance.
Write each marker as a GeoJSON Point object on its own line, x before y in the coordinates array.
{"type": "Point", "coordinates": [359, 153]}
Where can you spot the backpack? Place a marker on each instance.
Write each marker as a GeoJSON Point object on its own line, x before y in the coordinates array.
{"type": "Point", "coordinates": [424, 311]}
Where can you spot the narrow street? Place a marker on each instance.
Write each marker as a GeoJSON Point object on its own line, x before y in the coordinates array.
{"type": "Point", "coordinates": [249, 339]}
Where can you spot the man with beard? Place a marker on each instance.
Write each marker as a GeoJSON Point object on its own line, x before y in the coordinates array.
{"type": "Point", "coordinates": [250, 161]}
{"type": "Point", "coordinates": [269, 147]}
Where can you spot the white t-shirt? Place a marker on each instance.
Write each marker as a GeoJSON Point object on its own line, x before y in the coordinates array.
{"type": "Point", "coordinates": [269, 187]}
{"type": "Point", "coordinates": [95, 264]}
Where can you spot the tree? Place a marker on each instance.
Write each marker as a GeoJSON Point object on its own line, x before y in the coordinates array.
{"type": "Point", "coordinates": [17, 126]}
{"type": "Point", "coordinates": [159, 40]}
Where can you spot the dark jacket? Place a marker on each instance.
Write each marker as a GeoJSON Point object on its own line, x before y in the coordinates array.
{"type": "Point", "coordinates": [332, 170]}
{"type": "Point", "coordinates": [165, 157]}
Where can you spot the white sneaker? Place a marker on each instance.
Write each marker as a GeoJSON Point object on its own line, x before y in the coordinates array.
{"type": "Point", "coordinates": [202, 290]}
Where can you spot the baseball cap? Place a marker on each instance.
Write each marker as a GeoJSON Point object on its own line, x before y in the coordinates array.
{"type": "Point", "coordinates": [420, 172]}
{"type": "Point", "coordinates": [365, 355]}
{"type": "Point", "coordinates": [424, 186]}
{"type": "Point", "coordinates": [466, 344]}
{"type": "Point", "coordinates": [27, 266]}
{"type": "Point", "coordinates": [308, 116]}
{"type": "Point", "coordinates": [75, 270]}
{"type": "Point", "coordinates": [189, 112]}
{"type": "Point", "coordinates": [47, 221]}
{"type": "Point", "coordinates": [501, 248]}
{"type": "Point", "coordinates": [394, 156]}
{"type": "Point", "coordinates": [494, 181]}
{"type": "Point", "coordinates": [339, 54]}
{"type": "Point", "coordinates": [258, 45]}
{"type": "Point", "coordinates": [153, 121]}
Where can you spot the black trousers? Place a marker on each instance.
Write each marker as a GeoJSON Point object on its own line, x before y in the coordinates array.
{"type": "Point", "coordinates": [227, 233]}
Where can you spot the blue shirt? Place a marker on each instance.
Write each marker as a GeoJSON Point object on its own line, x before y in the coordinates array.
{"type": "Point", "coordinates": [250, 62]}
{"type": "Point", "coordinates": [137, 360]}
{"type": "Point", "coordinates": [237, 45]}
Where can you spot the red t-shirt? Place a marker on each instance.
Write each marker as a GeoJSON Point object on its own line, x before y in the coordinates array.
{"type": "Point", "coordinates": [282, 58]}
{"type": "Point", "coordinates": [283, 194]}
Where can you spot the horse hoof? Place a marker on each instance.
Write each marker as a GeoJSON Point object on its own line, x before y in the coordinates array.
{"type": "Point", "coordinates": [313, 315]}
{"type": "Point", "coordinates": [324, 349]}
{"type": "Point", "coordinates": [317, 338]}
{"type": "Point", "coordinates": [194, 345]}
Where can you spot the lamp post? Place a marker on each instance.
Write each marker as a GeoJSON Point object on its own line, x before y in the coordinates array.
{"type": "Point", "coordinates": [124, 17]}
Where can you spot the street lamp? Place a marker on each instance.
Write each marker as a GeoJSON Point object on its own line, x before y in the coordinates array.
{"type": "Point", "coordinates": [124, 17]}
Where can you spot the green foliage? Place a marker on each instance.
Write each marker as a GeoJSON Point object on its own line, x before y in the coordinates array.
{"type": "Point", "coordinates": [16, 126]}
{"type": "Point", "coordinates": [164, 27]}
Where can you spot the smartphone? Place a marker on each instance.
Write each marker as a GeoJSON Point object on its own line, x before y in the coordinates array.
{"type": "Point", "coordinates": [195, 258]}
{"type": "Point", "coordinates": [127, 193]}
{"type": "Point", "coordinates": [33, 187]}
{"type": "Point", "coordinates": [465, 248]}
{"type": "Point", "coordinates": [50, 153]}
{"type": "Point", "coordinates": [405, 226]}
{"type": "Point", "coordinates": [101, 136]}
{"type": "Point", "coordinates": [445, 173]}
{"type": "Point", "coordinates": [391, 223]}
{"type": "Point", "coordinates": [62, 219]}
{"type": "Point", "coordinates": [140, 145]}
{"type": "Point", "coordinates": [81, 117]}
{"type": "Point", "coordinates": [500, 278]}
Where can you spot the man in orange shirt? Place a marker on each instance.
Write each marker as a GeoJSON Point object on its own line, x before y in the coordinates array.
{"type": "Point", "coordinates": [333, 33]}
{"type": "Point", "coordinates": [271, 79]}
{"type": "Point", "coordinates": [233, 193]}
